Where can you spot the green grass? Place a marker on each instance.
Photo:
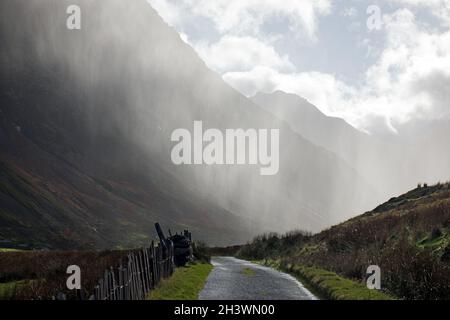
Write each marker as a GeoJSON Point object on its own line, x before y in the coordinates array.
{"type": "Point", "coordinates": [9, 250]}
{"type": "Point", "coordinates": [7, 290]}
{"type": "Point", "coordinates": [436, 242]}
{"type": "Point", "coordinates": [248, 272]}
{"type": "Point", "coordinates": [185, 284]}
{"type": "Point", "coordinates": [336, 287]}
{"type": "Point", "coordinates": [328, 285]}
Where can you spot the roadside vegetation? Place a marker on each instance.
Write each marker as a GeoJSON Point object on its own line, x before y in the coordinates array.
{"type": "Point", "coordinates": [185, 284]}
{"type": "Point", "coordinates": [42, 274]}
{"type": "Point", "coordinates": [328, 285]}
{"type": "Point", "coordinates": [9, 250]}
{"type": "Point", "coordinates": [408, 237]}
{"type": "Point", "coordinates": [201, 252]}
{"type": "Point", "coordinates": [8, 290]}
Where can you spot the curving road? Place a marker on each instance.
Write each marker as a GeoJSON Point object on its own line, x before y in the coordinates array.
{"type": "Point", "coordinates": [234, 279]}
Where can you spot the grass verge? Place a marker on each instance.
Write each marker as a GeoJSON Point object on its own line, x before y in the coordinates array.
{"type": "Point", "coordinates": [328, 285]}
{"type": "Point", "coordinates": [185, 284]}
{"type": "Point", "coordinates": [9, 250]}
{"type": "Point", "coordinates": [8, 289]}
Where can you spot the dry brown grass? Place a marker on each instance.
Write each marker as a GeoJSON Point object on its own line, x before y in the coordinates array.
{"type": "Point", "coordinates": [408, 237]}
{"type": "Point", "coordinates": [47, 270]}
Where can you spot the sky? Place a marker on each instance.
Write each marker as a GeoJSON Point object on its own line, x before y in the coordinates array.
{"type": "Point", "coordinates": [376, 64]}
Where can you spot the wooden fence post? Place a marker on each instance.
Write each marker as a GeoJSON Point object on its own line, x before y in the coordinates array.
{"type": "Point", "coordinates": [141, 271]}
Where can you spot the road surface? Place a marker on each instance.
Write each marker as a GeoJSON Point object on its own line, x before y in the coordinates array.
{"type": "Point", "coordinates": [234, 279]}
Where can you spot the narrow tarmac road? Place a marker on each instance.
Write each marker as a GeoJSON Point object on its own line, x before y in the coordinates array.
{"type": "Point", "coordinates": [234, 279]}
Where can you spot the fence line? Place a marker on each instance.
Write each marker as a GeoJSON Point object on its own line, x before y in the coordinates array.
{"type": "Point", "coordinates": [141, 272]}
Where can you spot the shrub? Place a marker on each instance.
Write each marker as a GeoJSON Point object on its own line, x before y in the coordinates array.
{"type": "Point", "coordinates": [201, 252]}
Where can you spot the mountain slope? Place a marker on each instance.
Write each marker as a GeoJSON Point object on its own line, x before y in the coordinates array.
{"type": "Point", "coordinates": [363, 152]}
{"type": "Point", "coordinates": [408, 237]}
{"type": "Point", "coordinates": [87, 116]}
{"type": "Point", "coordinates": [47, 202]}
{"type": "Point", "coordinates": [416, 153]}
{"type": "Point", "coordinates": [328, 132]}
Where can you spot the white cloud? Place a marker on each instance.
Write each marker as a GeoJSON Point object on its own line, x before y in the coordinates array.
{"type": "Point", "coordinates": [410, 80]}
{"type": "Point", "coordinates": [184, 37]}
{"type": "Point", "coordinates": [168, 11]}
{"type": "Point", "coordinates": [350, 12]}
{"type": "Point", "coordinates": [241, 54]}
{"type": "Point", "coordinates": [439, 8]}
{"type": "Point", "coordinates": [412, 53]}
{"type": "Point", "coordinates": [244, 17]}
{"type": "Point", "coordinates": [321, 89]}
{"type": "Point", "coordinates": [249, 15]}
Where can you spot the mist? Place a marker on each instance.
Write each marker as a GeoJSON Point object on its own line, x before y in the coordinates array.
{"type": "Point", "coordinates": [394, 164]}
{"type": "Point", "coordinates": [132, 81]}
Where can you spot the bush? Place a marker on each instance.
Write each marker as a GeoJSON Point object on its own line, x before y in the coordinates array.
{"type": "Point", "coordinates": [415, 273]}
{"type": "Point", "coordinates": [436, 233]}
{"type": "Point", "coordinates": [201, 252]}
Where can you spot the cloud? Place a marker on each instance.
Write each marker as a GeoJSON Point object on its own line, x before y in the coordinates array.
{"type": "Point", "coordinates": [435, 86]}
{"type": "Point", "coordinates": [439, 8]}
{"type": "Point", "coordinates": [184, 37]}
{"type": "Point", "coordinates": [321, 89]}
{"type": "Point", "coordinates": [412, 53]}
{"type": "Point", "coordinates": [244, 17]}
{"type": "Point", "coordinates": [349, 12]}
{"type": "Point", "coordinates": [168, 11]}
{"type": "Point", "coordinates": [409, 80]}
{"type": "Point", "coordinates": [241, 54]}
{"type": "Point", "coordinates": [239, 16]}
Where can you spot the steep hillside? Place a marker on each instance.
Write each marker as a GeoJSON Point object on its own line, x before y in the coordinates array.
{"type": "Point", "coordinates": [416, 153]}
{"type": "Point", "coordinates": [64, 187]}
{"type": "Point", "coordinates": [87, 117]}
{"type": "Point", "coordinates": [408, 237]}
